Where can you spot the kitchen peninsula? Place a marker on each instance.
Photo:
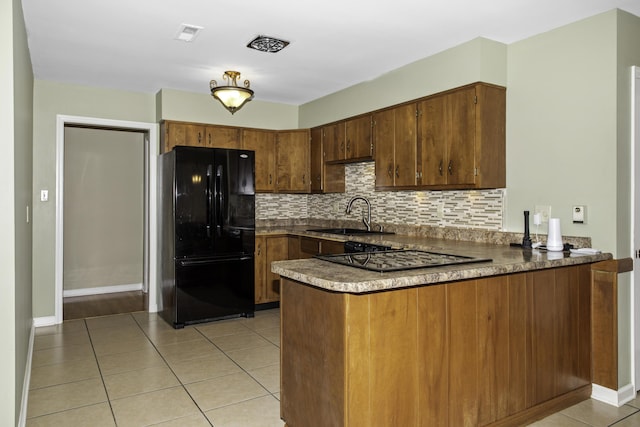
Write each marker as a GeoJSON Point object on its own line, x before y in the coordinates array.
{"type": "Point", "coordinates": [493, 343]}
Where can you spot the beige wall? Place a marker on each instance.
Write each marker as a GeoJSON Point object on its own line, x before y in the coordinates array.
{"type": "Point", "coordinates": [50, 100]}
{"type": "Point", "coordinates": [203, 108]}
{"type": "Point", "coordinates": [103, 208]}
{"type": "Point", "coordinates": [477, 60]}
{"type": "Point", "coordinates": [16, 106]}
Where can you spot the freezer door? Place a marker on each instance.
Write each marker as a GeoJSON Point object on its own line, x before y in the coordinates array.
{"type": "Point", "coordinates": [208, 289]}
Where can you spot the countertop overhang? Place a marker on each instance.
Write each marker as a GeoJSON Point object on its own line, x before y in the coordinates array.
{"type": "Point", "coordinates": [340, 278]}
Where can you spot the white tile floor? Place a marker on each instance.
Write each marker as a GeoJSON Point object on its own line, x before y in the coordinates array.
{"type": "Point", "coordinates": [135, 370]}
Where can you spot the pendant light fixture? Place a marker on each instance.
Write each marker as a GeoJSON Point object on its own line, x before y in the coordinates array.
{"type": "Point", "coordinates": [232, 96]}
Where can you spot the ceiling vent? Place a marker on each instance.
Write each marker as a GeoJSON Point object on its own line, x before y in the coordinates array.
{"type": "Point", "coordinates": [188, 33]}
{"type": "Point", "coordinates": [267, 44]}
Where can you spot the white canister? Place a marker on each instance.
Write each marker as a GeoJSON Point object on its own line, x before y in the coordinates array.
{"type": "Point", "coordinates": [554, 237]}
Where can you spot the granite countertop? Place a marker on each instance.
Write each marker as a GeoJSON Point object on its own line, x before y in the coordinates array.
{"type": "Point", "coordinates": [340, 278]}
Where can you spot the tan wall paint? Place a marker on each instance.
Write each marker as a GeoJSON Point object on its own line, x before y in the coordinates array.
{"type": "Point", "coordinates": [478, 60]}
{"type": "Point", "coordinates": [103, 208]}
{"type": "Point", "coordinates": [628, 54]}
{"type": "Point", "coordinates": [50, 100]}
{"type": "Point", "coordinates": [16, 127]}
{"type": "Point", "coordinates": [203, 108]}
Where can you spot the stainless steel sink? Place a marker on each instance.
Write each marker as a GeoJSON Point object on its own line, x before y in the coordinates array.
{"type": "Point", "coordinates": [347, 231]}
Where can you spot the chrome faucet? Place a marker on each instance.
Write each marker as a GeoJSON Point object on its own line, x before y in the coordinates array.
{"type": "Point", "coordinates": [367, 220]}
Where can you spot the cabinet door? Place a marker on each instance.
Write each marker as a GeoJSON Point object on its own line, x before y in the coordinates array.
{"type": "Point", "coordinates": [383, 134]}
{"type": "Point", "coordinates": [260, 259]}
{"type": "Point", "coordinates": [277, 250]}
{"type": "Point", "coordinates": [292, 160]}
{"type": "Point", "coordinates": [460, 120]}
{"type": "Point", "coordinates": [405, 145]}
{"type": "Point", "coordinates": [432, 141]}
{"type": "Point", "coordinates": [317, 161]}
{"type": "Point", "coordinates": [358, 138]}
{"type": "Point", "coordinates": [263, 142]}
{"type": "Point", "coordinates": [177, 133]}
{"type": "Point", "coordinates": [222, 137]}
{"type": "Point", "coordinates": [194, 135]}
{"type": "Point", "coordinates": [333, 137]}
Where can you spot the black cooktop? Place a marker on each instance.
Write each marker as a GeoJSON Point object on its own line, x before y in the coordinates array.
{"type": "Point", "coordinates": [397, 260]}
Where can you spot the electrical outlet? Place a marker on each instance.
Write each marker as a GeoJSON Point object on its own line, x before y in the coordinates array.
{"type": "Point", "coordinates": [544, 211]}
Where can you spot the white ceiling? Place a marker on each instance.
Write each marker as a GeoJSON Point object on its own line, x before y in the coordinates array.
{"type": "Point", "coordinates": [130, 45]}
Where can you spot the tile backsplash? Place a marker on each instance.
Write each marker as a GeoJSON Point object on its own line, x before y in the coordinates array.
{"type": "Point", "coordinates": [475, 209]}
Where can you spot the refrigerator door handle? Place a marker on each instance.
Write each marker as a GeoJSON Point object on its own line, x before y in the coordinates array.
{"type": "Point", "coordinates": [208, 201]}
{"type": "Point", "coordinates": [219, 200]}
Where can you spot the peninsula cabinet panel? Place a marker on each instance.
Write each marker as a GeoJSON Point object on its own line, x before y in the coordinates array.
{"type": "Point", "coordinates": [433, 346]}
{"type": "Point", "coordinates": [292, 161]}
{"type": "Point", "coordinates": [496, 351]}
{"type": "Point", "coordinates": [263, 142]}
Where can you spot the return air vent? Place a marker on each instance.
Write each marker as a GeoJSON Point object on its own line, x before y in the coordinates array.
{"type": "Point", "coordinates": [188, 33]}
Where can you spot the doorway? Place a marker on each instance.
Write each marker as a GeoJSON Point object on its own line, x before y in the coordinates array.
{"type": "Point", "coordinates": [147, 287]}
{"type": "Point", "coordinates": [103, 221]}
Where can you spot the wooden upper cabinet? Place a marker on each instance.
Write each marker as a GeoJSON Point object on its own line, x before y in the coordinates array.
{"type": "Point", "coordinates": [461, 138]}
{"type": "Point", "coordinates": [180, 133]}
{"type": "Point", "coordinates": [358, 138]}
{"type": "Point", "coordinates": [317, 160]}
{"type": "Point", "coordinates": [333, 137]}
{"type": "Point", "coordinates": [222, 137]}
{"type": "Point", "coordinates": [263, 142]}
{"type": "Point", "coordinates": [198, 135]}
{"type": "Point", "coordinates": [325, 177]}
{"type": "Point", "coordinates": [292, 160]}
{"type": "Point", "coordinates": [394, 136]}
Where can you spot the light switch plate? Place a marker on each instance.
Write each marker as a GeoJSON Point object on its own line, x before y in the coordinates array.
{"type": "Point", "coordinates": [44, 195]}
{"type": "Point", "coordinates": [579, 214]}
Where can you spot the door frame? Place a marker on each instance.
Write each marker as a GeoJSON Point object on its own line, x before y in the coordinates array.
{"type": "Point", "coordinates": [635, 226]}
{"type": "Point", "coordinates": [150, 244]}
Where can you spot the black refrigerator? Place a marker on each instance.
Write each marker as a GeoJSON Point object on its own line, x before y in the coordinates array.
{"type": "Point", "coordinates": [207, 224]}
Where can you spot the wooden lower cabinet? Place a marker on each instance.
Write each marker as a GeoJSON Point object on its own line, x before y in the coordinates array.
{"type": "Point", "coordinates": [499, 351]}
{"type": "Point", "coordinates": [269, 249]}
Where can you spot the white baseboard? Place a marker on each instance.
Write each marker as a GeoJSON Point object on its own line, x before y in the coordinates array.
{"type": "Point", "coordinates": [613, 397]}
{"type": "Point", "coordinates": [101, 290]}
{"type": "Point", "coordinates": [44, 321]}
{"type": "Point", "coordinates": [22, 421]}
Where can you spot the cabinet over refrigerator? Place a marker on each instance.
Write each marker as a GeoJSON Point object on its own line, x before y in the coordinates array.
{"type": "Point", "coordinates": [207, 224]}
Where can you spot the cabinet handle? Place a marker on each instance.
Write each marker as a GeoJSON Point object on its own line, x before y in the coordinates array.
{"type": "Point", "coordinates": [450, 167]}
{"type": "Point", "coordinates": [349, 146]}
{"type": "Point", "coordinates": [270, 179]}
{"type": "Point", "coordinates": [209, 139]}
{"type": "Point", "coordinates": [303, 176]}
{"type": "Point", "coordinates": [397, 171]}
{"type": "Point", "coordinates": [390, 171]}
{"type": "Point", "coordinates": [342, 146]}
{"type": "Point", "coordinates": [259, 249]}
{"type": "Point", "coordinates": [199, 138]}
{"type": "Point", "coordinates": [440, 167]}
